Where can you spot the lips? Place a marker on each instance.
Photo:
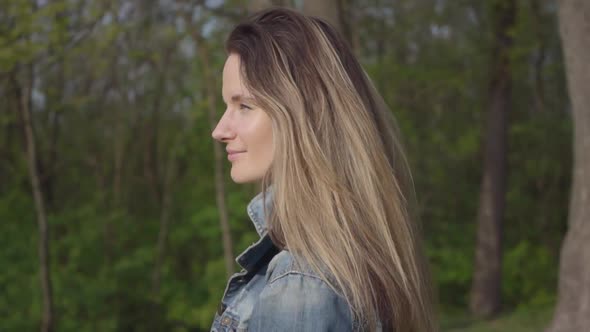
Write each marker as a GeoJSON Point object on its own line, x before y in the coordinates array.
{"type": "Point", "coordinates": [231, 156]}
{"type": "Point", "coordinates": [231, 151]}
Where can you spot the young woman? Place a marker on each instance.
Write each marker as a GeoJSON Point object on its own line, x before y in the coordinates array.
{"type": "Point", "coordinates": [338, 250]}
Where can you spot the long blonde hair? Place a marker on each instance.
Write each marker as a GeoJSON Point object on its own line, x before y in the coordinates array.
{"type": "Point", "coordinates": [342, 190]}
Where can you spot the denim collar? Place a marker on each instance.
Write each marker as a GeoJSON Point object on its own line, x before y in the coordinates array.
{"type": "Point", "coordinates": [258, 253]}
{"type": "Point", "coordinates": [256, 210]}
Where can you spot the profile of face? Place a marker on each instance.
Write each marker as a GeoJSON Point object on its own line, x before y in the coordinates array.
{"type": "Point", "coordinates": [244, 128]}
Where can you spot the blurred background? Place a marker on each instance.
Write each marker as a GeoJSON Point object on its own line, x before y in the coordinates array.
{"type": "Point", "coordinates": [117, 212]}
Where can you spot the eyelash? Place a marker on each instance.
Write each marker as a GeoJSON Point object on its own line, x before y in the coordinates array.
{"type": "Point", "coordinates": [243, 106]}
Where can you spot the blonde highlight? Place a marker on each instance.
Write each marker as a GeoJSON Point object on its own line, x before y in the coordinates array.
{"type": "Point", "coordinates": [342, 189]}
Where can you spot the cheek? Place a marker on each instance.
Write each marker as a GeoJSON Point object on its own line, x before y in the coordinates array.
{"type": "Point", "coordinates": [261, 144]}
{"type": "Point", "coordinates": [258, 137]}
{"type": "Point", "coordinates": [271, 145]}
{"type": "Point", "coordinates": [266, 139]}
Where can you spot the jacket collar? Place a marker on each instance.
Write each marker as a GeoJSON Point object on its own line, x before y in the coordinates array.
{"type": "Point", "coordinates": [264, 249]}
{"type": "Point", "coordinates": [256, 210]}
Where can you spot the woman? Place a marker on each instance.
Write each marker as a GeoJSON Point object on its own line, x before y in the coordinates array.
{"type": "Point", "coordinates": [338, 249]}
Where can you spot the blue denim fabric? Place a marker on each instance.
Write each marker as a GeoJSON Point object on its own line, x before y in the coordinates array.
{"type": "Point", "coordinates": [274, 293]}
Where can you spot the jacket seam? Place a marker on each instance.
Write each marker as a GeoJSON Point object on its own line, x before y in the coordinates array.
{"type": "Point", "coordinates": [293, 272]}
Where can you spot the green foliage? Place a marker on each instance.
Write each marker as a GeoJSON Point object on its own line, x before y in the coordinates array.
{"type": "Point", "coordinates": [20, 301]}
{"type": "Point", "coordinates": [119, 94]}
{"type": "Point", "coordinates": [529, 275]}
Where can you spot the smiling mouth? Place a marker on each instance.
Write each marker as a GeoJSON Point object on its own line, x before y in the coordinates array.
{"type": "Point", "coordinates": [234, 155]}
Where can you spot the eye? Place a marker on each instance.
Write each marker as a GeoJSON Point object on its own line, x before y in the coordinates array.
{"type": "Point", "coordinates": [245, 107]}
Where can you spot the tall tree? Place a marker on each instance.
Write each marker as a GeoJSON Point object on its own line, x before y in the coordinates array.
{"type": "Point", "coordinates": [573, 306]}
{"type": "Point", "coordinates": [165, 207]}
{"type": "Point", "coordinates": [327, 9]}
{"type": "Point", "coordinates": [220, 194]}
{"type": "Point", "coordinates": [540, 56]}
{"type": "Point", "coordinates": [23, 95]}
{"type": "Point", "coordinates": [256, 5]}
{"type": "Point", "coordinates": [485, 297]}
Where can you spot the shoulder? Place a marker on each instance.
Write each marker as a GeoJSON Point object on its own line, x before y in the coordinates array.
{"type": "Point", "coordinates": [297, 299]}
{"type": "Point", "coordinates": [284, 265]}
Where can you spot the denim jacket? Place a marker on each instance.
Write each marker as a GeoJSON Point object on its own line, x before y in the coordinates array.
{"type": "Point", "coordinates": [273, 293]}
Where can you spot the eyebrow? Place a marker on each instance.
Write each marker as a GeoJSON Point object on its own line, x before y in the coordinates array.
{"type": "Point", "coordinates": [241, 98]}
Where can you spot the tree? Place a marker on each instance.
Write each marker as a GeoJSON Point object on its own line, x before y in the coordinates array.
{"type": "Point", "coordinates": [573, 306]}
{"type": "Point", "coordinates": [23, 93]}
{"type": "Point", "coordinates": [485, 297]}
{"type": "Point", "coordinates": [327, 9]}
{"type": "Point", "coordinates": [220, 194]}
{"type": "Point", "coordinates": [256, 5]}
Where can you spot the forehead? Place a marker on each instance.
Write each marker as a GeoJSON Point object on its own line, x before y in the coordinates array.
{"type": "Point", "coordinates": [231, 69]}
{"type": "Point", "coordinates": [232, 78]}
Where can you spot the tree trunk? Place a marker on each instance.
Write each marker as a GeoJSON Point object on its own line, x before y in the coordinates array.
{"type": "Point", "coordinates": [24, 97]}
{"type": "Point", "coordinates": [485, 297]}
{"type": "Point", "coordinates": [165, 207]}
{"type": "Point", "coordinates": [219, 160]}
{"type": "Point", "coordinates": [56, 107]}
{"type": "Point", "coordinates": [572, 312]}
{"type": "Point", "coordinates": [539, 60]}
{"type": "Point", "coordinates": [152, 133]}
{"type": "Point", "coordinates": [329, 10]}
{"type": "Point", "coordinates": [256, 5]}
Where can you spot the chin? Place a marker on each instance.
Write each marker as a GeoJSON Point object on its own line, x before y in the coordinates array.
{"type": "Point", "coordinates": [241, 178]}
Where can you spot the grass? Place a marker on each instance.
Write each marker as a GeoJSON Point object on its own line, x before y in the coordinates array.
{"type": "Point", "coordinates": [521, 320]}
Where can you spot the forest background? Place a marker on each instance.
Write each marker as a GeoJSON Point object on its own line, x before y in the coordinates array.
{"type": "Point", "coordinates": [116, 209]}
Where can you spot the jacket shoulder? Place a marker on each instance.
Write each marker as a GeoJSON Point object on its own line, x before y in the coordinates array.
{"type": "Point", "coordinates": [297, 299]}
{"type": "Point", "coordinates": [285, 264]}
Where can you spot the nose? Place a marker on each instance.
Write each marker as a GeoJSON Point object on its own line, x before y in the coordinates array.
{"type": "Point", "coordinates": [223, 131]}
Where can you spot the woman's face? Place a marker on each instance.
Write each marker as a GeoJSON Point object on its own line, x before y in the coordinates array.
{"type": "Point", "coordinates": [245, 128]}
